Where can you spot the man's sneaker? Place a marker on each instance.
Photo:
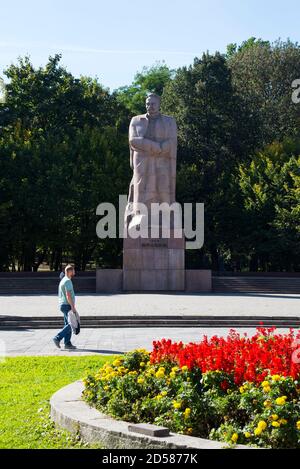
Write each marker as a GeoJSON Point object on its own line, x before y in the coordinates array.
{"type": "Point", "coordinates": [70, 347]}
{"type": "Point", "coordinates": [56, 342]}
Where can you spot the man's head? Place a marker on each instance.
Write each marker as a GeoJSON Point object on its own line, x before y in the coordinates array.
{"type": "Point", "coordinates": [153, 104]}
{"type": "Point", "coordinates": [70, 271]}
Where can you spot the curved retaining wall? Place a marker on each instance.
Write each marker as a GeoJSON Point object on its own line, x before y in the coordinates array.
{"type": "Point", "coordinates": [73, 414]}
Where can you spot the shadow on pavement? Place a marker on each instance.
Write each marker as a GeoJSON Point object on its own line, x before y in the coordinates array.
{"type": "Point", "coordinates": [96, 351]}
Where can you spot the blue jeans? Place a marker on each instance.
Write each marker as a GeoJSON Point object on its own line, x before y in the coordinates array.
{"type": "Point", "coordinates": [66, 332]}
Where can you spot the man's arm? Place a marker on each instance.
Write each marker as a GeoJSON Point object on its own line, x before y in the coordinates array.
{"type": "Point", "coordinates": [70, 300]}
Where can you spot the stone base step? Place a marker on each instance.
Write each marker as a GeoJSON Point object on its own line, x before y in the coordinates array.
{"type": "Point", "coordinates": [284, 285]}
{"type": "Point", "coordinates": [101, 322]}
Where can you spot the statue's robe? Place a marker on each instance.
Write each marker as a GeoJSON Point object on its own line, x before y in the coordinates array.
{"type": "Point", "coordinates": [154, 173]}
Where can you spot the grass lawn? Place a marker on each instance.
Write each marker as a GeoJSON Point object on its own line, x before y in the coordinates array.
{"type": "Point", "coordinates": [26, 385]}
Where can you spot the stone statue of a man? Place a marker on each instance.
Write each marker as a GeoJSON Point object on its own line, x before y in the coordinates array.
{"type": "Point", "coordinates": [153, 150]}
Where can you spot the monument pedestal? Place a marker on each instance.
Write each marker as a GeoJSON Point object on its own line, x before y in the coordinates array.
{"type": "Point", "coordinates": [154, 264]}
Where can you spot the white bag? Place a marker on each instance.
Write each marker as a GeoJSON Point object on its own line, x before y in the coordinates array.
{"type": "Point", "coordinates": [74, 321]}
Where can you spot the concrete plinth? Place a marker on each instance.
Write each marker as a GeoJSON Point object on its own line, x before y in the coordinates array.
{"type": "Point", "coordinates": [154, 264]}
{"type": "Point", "coordinates": [109, 280]}
{"type": "Point", "coordinates": [117, 280]}
{"type": "Point", "coordinates": [198, 281]}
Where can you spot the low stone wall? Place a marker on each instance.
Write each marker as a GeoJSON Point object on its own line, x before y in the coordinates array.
{"type": "Point", "coordinates": [70, 412]}
{"type": "Point", "coordinates": [39, 283]}
{"type": "Point", "coordinates": [192, 281]}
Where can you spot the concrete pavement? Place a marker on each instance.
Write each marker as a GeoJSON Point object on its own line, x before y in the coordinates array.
{"type": "Point", "coordinates": [118, 340]}
{"type": "Point", "coordinates": [100, 341]}
{"type": "Point", "coordinates": [156, 304]}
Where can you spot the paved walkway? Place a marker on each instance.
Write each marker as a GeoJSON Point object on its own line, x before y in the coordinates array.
{"type": "Point", "coordinates": [99, 341]}
{"type": "Point", "coordinates": [157, 304]}
{"type": "Point", "coordinates": [108, 341]}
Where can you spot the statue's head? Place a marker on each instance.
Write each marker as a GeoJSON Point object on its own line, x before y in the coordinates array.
{"type": "Point", "coordinates": [153, 104]}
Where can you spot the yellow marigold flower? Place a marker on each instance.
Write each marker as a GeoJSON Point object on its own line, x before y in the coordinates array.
{"type": "Point", "coordinates": [176, 405]}
{"type": "Point", "coordinates": [117, 362]}
{"type": "Point", "coordinates": [276, 378]}
{"type": "Point", "coordinates": [268, 404]}
{"type": "Point", "coordinates": [298, 425]}
{"type": "Point", "coordinates": [142, 364]}
{"type": "Point", "coordinates": [184, 368]}
{"type": "Point", "coordinates": [242, 389]}
{"type": "Point", "coordinates": [160, 373]}
{"type": "Point", "coordinates": [283, 421]}
{"type": "Point", "coordinates": [247, 435]}
{"type": "Point", "coordinates": [175, 368]}
{"type": "Point", "coordinates": [275, 417]}
{"type": "Point", "coordinates": [257, 431]}
{"type": "Point", "coordinates": [187, 413]}
{"type": "Point", "coordinates": [262, 424]}
{"type": "Point", "coordinates": [276, 424]}
{"type": "Point", "coordinates": [140, 380]}
{"type": "Point", "coordinates": [265, 383]}
{"type": "Point", "coordinates": [281, 400]}
{"type": "Point", "coordinates": [172, 375]}
{"type": "Point", "coordinates": [266, 389]}
{"type": "Point", "coordinates": [234, 437]}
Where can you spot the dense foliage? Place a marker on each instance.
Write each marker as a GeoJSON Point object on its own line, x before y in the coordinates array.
{"type": "Point", "coordinates": [64, 150]}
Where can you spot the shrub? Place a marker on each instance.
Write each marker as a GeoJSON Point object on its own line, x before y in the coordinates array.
{"type": "Point", "coordinates": [191, 399]}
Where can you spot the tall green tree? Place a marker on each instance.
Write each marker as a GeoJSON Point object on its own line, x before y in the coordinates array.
{"type": "Point", "coordinates": [212, 141]}
{"type": "Point", "coordinates": [149, 80]}
{"type": "Point", "coordinates": [262, 76]}
{"type": "Point", "coordinates": [270, 185]}
{"type": "Point", "coordinates": [57, 136]}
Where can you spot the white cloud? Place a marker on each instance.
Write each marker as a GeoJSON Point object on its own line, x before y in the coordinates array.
{"type": "Point", "coordinates": [90, 50]}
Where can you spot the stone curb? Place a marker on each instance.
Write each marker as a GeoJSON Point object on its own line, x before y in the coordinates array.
{"type": "Point", "coordinates": [184, 321]}
{"type": "Point", "coordinates": [70, 412]}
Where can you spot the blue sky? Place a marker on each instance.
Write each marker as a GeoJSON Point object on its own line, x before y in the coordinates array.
{"type": "Point", "coordinates": [112, 39]}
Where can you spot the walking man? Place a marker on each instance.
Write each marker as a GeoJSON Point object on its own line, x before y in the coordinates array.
{"type": "Point", "coordinates": [66, 303]}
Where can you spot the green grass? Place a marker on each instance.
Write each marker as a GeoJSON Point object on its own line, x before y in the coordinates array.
{"type": "Point", "coordinates": [26, 385]}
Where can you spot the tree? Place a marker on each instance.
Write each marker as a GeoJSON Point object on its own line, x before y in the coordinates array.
{"type": "Point", "coordinates": [212, 141]}
{"type": "Point", "coordinates": [233, 48]}
{"type": "Point", "coordinates": [149, 80]}
{"type": "Point", "coordinates": [270, 185]}
{"type": "Point", "coordinates": [59, 143]}
{"type": "Point", "coordinates": [262, 76]}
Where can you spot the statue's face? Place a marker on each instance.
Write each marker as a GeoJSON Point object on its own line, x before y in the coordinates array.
{"type": "Point", "coordinates": [152, 105]}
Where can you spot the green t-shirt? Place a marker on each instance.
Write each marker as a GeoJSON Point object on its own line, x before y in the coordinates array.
{"type": "Point", "coordinates": [65, 284]}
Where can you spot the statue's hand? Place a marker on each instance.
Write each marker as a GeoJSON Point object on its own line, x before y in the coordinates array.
{"type": "Point", "coordinates": [155, 148]}
{"type": "Point", "coordinates": [165, 147]}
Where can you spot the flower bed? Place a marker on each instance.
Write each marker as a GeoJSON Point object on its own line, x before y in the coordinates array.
{"type": "Point", "coordinates": [235, 389]}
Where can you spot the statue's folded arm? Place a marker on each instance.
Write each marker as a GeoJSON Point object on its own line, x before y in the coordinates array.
{"type": "Point", "coordinates": [144, 144]}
